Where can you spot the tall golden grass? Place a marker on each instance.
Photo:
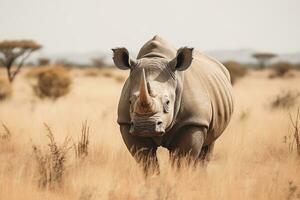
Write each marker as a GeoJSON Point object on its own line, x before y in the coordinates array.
{"type": "Point", "coordinates": [252, 159]}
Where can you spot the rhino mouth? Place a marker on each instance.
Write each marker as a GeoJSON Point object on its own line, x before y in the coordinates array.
{"type": "Point", "coordinates": [147, 126]}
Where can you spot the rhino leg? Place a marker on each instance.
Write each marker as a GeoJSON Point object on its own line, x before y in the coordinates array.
{"type": "Point", "coordinates": [187, 145]}
{"type": "Point", "coordinates": [206, 152]}
{"type": "Point", "coordinates": [142, 149]}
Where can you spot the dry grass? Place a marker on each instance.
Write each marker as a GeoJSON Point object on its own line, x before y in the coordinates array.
{"type": "Point", "coordinates": [51, 164]}
{"type": "Point", "coordinates": [5, 89]}
{"type": "Point", "coordinates": [250, 161]}
{"type": "Point", "coordinates": [81, 147]}
{"type": "Point", "coordinates": [6, 134]}
{"type": "Point", "coordinates": [52, 82]}
{"type": "Point", "coordinates": [296, 133]}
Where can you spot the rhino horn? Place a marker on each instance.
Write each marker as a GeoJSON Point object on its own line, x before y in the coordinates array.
{"type": "Point", "coordinates": [145, 98]}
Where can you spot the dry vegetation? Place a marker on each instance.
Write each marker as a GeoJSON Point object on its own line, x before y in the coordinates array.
{"type": "Point", "coordinates": [285, 99]}
{"type": "Point", "coordinates": [82, 144]}
{"type": "Point", "coordinates": [236, 70]}
{"type": "Point", "coordinates": [52, 82]}
{"type": "Point", "coordinates": [252, 159]}
{"type": "Point", "coordinates": [281, 69]}
{"type": "Point", "coordinates": [51, 164]}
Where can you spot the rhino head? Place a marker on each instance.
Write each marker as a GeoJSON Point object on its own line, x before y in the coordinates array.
{"type": "Point", "coordinates": [154, 82]}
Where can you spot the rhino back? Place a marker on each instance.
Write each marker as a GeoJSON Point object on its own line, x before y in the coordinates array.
{"type": "Point", "coordinates": [157, 47]}
{"type": "Point", "coordinates": [207, 96]}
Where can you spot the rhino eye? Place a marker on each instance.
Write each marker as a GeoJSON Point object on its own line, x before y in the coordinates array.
{"type": "Point", "coordinates": [167, 106]}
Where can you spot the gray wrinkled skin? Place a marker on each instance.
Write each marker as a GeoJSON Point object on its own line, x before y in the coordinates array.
{"type": "Point", "coordinates": [187, 104]}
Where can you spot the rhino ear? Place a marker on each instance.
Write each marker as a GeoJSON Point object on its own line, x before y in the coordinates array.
{"type": "Point", "coordinates": [121, 58]}
{"type": "Point", "coordinates": [183, 59]}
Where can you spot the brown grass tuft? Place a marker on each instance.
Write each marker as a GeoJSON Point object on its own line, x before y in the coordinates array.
{"type": "Point", "coordinates": [51, 164]}
{"type": "Point", "coordinates": [285, 99]}
{"type": "Point", "coordinates": [5, 89]}
{"type": "Point", "coordinates": [107, 74]}
{"type": "Point", "coordinates": [53, 83]}
{"type": "Point", "coordinates": [92, 72]}
{"type": "Point", "coordinates": [6, 134]}
{"type": "Point", "coordinates": [81, 147]}
{"type": "Point", "coordinates": [244, 115]}
{"type": "Point", "coordinates": [296, 133]}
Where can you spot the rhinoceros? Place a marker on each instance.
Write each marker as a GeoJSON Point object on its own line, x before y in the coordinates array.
{"type": "Point", "coordinates": [178, 99]}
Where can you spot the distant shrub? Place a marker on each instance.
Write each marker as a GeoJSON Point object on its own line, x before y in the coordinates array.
{"type": "Point", "coordinates": [107, 74]}
{"type": "Point", "coordinates": [92, 72]}
{"type": "Point", "coordinates": [5, 89]}
{"type": "Point", "coordinates": [236, 70]}
{"type": "Point", "coordinates": [285, 99]}
{"type": "Point", "coordinates": [120, 79]}
{"type": "Point", "coordinates": [43, 61]}
{"type": "Point", "coordinates": [280, 69]}
{"type": "Point", "coordinates": [99, 62]}
{"type": "Point", "coordinates": [52, 82]}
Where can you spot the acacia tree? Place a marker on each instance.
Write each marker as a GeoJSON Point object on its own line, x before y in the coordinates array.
{"type": "Point", "coordinates": [263, 58]}
{"type": "Point", "coordinates": [11, 50]}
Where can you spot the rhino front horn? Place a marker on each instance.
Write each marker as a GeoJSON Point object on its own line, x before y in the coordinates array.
{"type": "Point", "coordinates": [145, 98]}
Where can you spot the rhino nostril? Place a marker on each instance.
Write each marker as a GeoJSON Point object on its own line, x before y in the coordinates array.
{"type": "Point", "coordinates": [159, 123]}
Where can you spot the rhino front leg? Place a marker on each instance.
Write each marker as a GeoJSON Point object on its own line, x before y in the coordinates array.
{"type": "Point", "coordinates": [142, 149]}
{"type": "Point", "coordinates": [187, 145]}
{"type": "Point", "coordinates": [206, 152]}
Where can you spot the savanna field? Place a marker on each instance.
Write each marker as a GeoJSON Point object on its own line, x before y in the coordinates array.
{"type": "Point", "coordinates": [71, 147]}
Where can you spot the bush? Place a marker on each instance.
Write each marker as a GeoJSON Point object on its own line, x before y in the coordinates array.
{"type": "Point", "coordinates": [92, 72]}
{"type": "Point", "coordinates": [52, 82]}
{"type": "Point", "coordinates": [280, 69]}
{"type": "Point", "coordinates": [236, 70]}
{"type": "Point", "coordinates": [285, 99]}
{"type": "Point", "coordinates": [43, 61]}
{"type": "Point", "coordinates": [5, 89]}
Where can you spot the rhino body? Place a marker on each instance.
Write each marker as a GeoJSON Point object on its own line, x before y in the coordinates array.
{"type": "Point", "coordinates": [202, 106]}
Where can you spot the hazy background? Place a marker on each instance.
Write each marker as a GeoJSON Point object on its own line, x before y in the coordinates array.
{"type": "Point", "coordinates": [58, 97]}
{"type": "Point", "coordinates": [93, 26]}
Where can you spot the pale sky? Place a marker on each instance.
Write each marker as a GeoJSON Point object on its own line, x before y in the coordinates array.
{"type": "Point", "coordinates": [84, 26]}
